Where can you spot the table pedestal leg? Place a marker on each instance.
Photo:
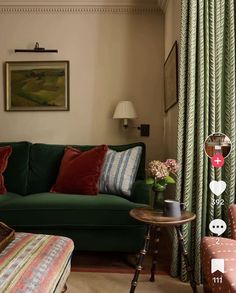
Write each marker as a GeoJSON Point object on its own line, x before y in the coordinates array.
{"type": "Point", "coordinates": [155, 252]}
{"type": "Point", "coordinates": [186, 259]}
{"type": "Point", "coordinates": [139, 266]}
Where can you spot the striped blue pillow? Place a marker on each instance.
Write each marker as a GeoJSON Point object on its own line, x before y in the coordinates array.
{"type": "Point", "coordinates": [119, 171]}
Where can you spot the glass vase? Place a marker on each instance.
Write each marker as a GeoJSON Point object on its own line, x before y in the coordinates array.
{"type": "Point", "coordinates": [157, 199]}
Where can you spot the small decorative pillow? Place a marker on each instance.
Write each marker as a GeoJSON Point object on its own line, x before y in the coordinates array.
{"type": "Point", "coordinates": [5, 153]}
{"type": "Point", "coordinates": [80, 171]}
{"type": "Point", "coordinates": [119, 171]}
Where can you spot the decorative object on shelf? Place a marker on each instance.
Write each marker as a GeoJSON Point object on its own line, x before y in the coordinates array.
{"type": "Point", "coordinates": [36, 49]}
{"type": "Point", "coordinates": [159, 176]}
{"type": "Point", "coordinates": [125, 110]}
{"type": "Point", "coordinates": [171, 78]}
{"type": "Point", "coordinates": [37, 86]}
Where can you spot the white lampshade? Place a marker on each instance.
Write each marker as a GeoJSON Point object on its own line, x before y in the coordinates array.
{"type": "Point", "coordinates": [124, 110]}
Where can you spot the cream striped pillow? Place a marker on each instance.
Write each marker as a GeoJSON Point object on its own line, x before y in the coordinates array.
{"type": "Point", "coordinates": [119, 171]}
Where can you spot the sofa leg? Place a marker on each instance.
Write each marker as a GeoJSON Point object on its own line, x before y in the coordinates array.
{"type": "Point", "coordinates": [64, 289]}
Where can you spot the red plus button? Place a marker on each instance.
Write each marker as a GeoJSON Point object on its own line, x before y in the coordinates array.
{"type": "Point", "coordinates": [217, 160]}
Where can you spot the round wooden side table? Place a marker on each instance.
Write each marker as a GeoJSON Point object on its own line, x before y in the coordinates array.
{"type": "Point", "coordinates": [155, 220]}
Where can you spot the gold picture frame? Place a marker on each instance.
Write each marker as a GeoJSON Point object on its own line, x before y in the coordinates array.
{"type": "Point", "coordinates": [171, 78]}
{"type": "Point", "coordinates": [37, 86]}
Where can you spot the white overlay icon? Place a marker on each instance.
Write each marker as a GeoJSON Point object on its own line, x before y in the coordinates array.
{"type": "Point", "coordinates": [217, 187]}
{"type": "Point", "coordinates": [217, 226]}
{"type": "Point", "coordinates": [217, 264]}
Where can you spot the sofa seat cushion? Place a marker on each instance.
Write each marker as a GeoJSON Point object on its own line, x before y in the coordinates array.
{"type": "Point", "coordinates": [8, 197]}
{"type": "Point", "coordinates": [68, 210]}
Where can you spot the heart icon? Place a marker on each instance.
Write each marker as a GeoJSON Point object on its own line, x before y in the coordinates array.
{"type": "Point", "coordinates": [217, 187]}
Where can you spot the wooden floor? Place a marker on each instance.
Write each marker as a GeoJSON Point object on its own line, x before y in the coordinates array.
{"type": "Point", "coordinates": [94, 272]}
{"type": "Point", "coordinates": [84, 282]}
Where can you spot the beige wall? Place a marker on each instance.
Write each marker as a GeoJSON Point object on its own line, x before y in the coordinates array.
{"type": "Point", "coordinates": [172, 33]}
{"type": "Point", "coordinates": [112, 57]}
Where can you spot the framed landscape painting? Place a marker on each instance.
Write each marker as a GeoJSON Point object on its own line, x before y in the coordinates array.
{"type": "Point", "coordinates": [37, 86]}
{"type": "Point", "coordinates": [171, 78]}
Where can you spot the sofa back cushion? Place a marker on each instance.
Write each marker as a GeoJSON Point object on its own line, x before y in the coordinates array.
{"type": "Point", "coordinates": [16, 173]}
{"type": "Point", "coordinates": [45, 160]}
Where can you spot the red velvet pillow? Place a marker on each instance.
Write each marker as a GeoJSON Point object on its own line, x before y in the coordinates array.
{"type": "Point", "coordinates": [80, 171]}
{"type": "Point", "coordinates": [5, 153]}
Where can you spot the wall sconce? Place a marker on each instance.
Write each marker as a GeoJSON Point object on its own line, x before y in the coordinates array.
{"type": "Point", "coordinates": [125, 110]}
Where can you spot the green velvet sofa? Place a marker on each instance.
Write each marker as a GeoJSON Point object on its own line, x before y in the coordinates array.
{"type": "Point", "coordinates": [95, 223]}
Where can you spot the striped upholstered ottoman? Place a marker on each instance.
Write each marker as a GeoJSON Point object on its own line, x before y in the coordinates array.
{"type": "Point", "coordinates": [35, 263]}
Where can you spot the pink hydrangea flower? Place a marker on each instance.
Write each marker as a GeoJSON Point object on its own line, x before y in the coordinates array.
{"type": "Point", "coordinates": [172, 165]}
{"type": "Point", "coordinates": [157, 169]}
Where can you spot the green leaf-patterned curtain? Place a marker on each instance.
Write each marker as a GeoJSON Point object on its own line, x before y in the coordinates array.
{"type": "Point", "coordinates": [206, 105]}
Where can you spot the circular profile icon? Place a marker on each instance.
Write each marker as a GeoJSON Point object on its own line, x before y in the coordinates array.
{"type": "Point", "coordinates": [217, 145]}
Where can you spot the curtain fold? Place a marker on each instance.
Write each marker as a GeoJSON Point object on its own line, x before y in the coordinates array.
{"type": "Point", "coordinates": [206, 105]}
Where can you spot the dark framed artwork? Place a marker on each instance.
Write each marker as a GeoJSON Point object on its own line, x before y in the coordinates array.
{"type": "Point", "coordinates": [171, 78]}
{"type": "Point", "coordinates": [37, 86]}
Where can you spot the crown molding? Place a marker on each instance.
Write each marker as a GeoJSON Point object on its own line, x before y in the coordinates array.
{"type": "Point", "coordinates": [61, 9]}
{"type": "Point", "coordinates": [80, 6]}
{"type": "Point", "coordinates": [162, 4]}
{"type": "Point", "coordinates": [82, 2]}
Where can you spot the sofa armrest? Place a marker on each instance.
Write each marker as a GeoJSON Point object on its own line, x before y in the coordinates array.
{"type": "Point", "coordinates": [140, 192]}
